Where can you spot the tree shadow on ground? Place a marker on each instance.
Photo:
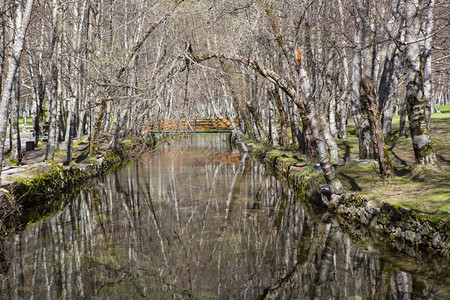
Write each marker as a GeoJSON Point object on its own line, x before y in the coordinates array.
{"type": "Point", "coordinates": [441, 158]}
{"type": "Point", "coordinates": [353, 183]}
{"type": "Point", "coordinates": [401, 172]}
{"type": "Point", "coordinates": [84, 154]}
{"type": "Point", "coordinates": [393, 138]}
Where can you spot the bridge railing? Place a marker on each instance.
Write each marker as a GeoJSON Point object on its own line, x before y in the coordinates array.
{"type": "Point", "coordinates": [190, 126]}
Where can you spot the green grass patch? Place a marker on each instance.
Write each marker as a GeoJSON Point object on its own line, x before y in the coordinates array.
{"type": "Point", "coordinates": [414, 186]}
{"type": "Point", "coordinates": [29, 121]}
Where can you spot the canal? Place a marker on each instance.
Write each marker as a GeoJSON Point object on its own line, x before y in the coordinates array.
{"type": "Point", "coordinates": [194, 219]}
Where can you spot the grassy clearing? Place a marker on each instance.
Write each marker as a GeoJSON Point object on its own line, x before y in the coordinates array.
{"type": "Point", "coordinates": [415, 187]}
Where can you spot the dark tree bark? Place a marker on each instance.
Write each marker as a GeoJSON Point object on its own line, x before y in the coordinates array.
{"type": "Point", "coordinates": [284, 139]}
{"type": "Point", "coordinates": [388, 85]}
{"type": "Point", "coordinates": [252, 109]}
{"type": "Point", "coordinates": [16, 145]}
{"type": "Point", "coordinates": [369, 100]}
{"type": "Point", "coordinates": [361, 122]}
{"type": "Point", "coordinates": [388, 89]}
{"type": "Point", "coordinates": [307, 103]}
{"type": "Point", "coordinates": [241, 107]}
{"type": "Point", "coordinates": [402, 129]}
{"type": "Point", "coordinates": [70, 128]}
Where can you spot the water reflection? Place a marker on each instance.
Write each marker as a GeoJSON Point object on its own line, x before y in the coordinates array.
{"type": "Point", "coordinates": [192, 221]}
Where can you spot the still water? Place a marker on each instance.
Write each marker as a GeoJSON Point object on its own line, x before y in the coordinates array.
{"type": "Point", "coordinates": [196, 220]}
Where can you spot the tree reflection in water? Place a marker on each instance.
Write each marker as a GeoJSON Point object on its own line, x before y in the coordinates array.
{"type": "Point", "coordinates": [191, 220]}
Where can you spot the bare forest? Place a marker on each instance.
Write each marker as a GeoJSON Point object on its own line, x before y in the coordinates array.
{"type": "Point", "coordinates": [294, 72]}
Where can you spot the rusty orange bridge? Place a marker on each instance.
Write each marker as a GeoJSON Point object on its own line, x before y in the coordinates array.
{"type": "Point", "coordinates": [191, 126]}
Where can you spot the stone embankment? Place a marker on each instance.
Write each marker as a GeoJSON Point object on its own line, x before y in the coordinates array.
{"type": "Point", "coordinates": [405, 228]}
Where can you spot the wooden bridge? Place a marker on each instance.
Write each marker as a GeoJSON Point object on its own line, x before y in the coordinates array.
{"type": "Point", "coordinates": [191, 126]}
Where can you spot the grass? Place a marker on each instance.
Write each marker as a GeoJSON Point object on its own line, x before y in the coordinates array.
{"type": "Point", "coordinates": [29, 121]}
{"type": "Point", "coordinates": [414, 186]}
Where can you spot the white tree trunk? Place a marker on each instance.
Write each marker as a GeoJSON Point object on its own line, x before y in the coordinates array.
{"type": "Point", "coordinates": [426, 59]}
{"type": "Point", "coordinates": [387, 92]}
{"type": "Point", "coordinates": [361, 122]}
{"type": "Point", "coordinates": [2, 51]}
{"type": "Point", "coordinates": [23, 15]}
{"type": "Point", "coordinates": [332, 115]}
{"type": "Point", "coordinates": [52, 144]}
{"type": "Point", "coordinates": [342, 103]}
{"type": "Point", "coordinates": [423, 149]}
{"type": "Point", "coordinates": [329, 139]}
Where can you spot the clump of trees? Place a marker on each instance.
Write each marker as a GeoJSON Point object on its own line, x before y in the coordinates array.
{"type": "Point", "coordinates": [99, 68]}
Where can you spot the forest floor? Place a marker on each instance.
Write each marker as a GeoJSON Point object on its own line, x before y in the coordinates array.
{"type": "Point", "coordinates": [413, 186]}
{"type": "Point", "coordinates": [33, 162]}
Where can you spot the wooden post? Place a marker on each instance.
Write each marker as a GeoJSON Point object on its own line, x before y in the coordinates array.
{"type": "Point", "coordinates": [217, 125]}
{"type": "Point", "coordinates": [195, 126]}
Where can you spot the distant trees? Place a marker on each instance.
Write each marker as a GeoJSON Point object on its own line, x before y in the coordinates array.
{"type": "Point", "coordinates": [97, 69]}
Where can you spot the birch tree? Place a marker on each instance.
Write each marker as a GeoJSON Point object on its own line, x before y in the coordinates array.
{"type": "Point", "coordinates": [359, 63]}
{"type": "Point", "coordinates": [15, 144]}
{"type": "Point", "coordinates": [368, 98]}
{"type": "Point", "coordinates": [343, 100]}
{"type": "Point", "coordinates": [307, 106]}
{"type": "Point", "coordinates": [423, 149]}
{"type": "Point", "coordinates": [428, 6]}
{"type": "Point", "coordinates": [317, 132]}
{"type": "Point", "coordinates": [389, 80]}
{"type": "Point", "coordinates": [3, 7]}
{"type": "Point", "coordinates": [22, 15]}
{"type": "Point", "coordinates": [55, 49]}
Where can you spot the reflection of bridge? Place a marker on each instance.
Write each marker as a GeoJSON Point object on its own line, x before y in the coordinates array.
{"type": "Point", "coordinates": [190, 126]}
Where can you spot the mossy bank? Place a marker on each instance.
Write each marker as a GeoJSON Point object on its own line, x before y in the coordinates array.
{"type": "Point", "coordinates": [406, 228]}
